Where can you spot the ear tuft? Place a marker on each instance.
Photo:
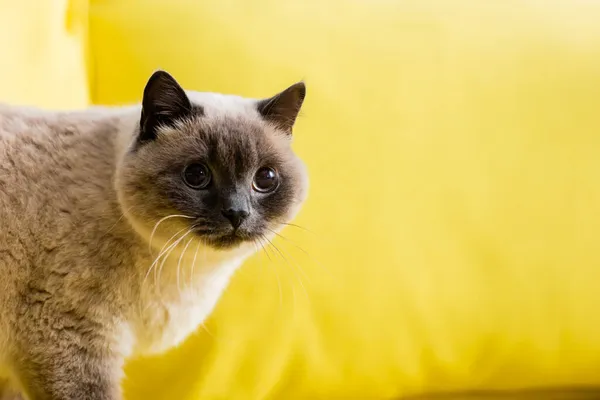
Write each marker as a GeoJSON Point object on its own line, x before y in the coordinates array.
{"type": "Point", "coordinates": [163, 104]}
{"type": "Point", "coordinates": [283, 108]}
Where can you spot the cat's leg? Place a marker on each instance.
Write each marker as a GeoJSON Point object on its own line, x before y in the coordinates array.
{"type": "Point", "coordinates": [69, 372]}
{"type": "Point", "coordinates": [61, 354]}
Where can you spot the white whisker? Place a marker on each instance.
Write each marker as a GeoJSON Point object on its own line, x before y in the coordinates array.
{"type": "Point", "coordinates": [119, 220]}
{"type": "Point", "coordinates": [306, 253]}
{"type": "Point", "coordinates": [160, 254]}
{"type": "Point", "coordinates": [194, 263]}
{"type": "Point", "coordinates": [179, 262]}
{"type": "Point", "coordinates": [173, 246]}
{"type": "Point", "coordinates": [159, 222]}
{"type": "Point", "coordinates": [274, 269]}
{"type": "Point", "coordinates": [291, 265]}
{"type": "Point", "coordinates": [296, 226]}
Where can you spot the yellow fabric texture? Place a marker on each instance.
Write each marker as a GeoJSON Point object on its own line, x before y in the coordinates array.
{"type": "Point", "coordinates": [42, 61]}
{"type": "Point", "coordinates": [454, 211]}
{"type": "Point", "coordinates": [451, 239]}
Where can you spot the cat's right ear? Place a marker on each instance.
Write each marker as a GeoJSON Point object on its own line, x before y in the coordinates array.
{"type": "Point", "coordinates": [164, 103]}
{"type": "Point", "coordinates": [283, 108]}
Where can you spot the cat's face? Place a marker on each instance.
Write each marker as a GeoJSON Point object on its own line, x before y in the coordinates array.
{"type": "Point", "coordinates": [219, 168]}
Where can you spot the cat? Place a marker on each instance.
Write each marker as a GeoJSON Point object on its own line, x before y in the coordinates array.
{"type": "Point", "coordinates": [121, 226]}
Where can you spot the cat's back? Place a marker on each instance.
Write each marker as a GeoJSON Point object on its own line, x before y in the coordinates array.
{"type": "Point", "coordinates": [34, 161]}
{"type": "Point", "coordinates": [50, 163]}
{"type": "Point", "coordinates": [55, 167]}
{"type": "Point", "coordinates": [18, 122]}
{"type": "Point", "coordinates": [47, 156]}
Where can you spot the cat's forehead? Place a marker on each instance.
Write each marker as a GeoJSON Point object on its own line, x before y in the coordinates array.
{"type": "Point", "coordinates": [225, 129]}
{"type": "Point", "coordinates": [232, 122]}
{"type": "Point", "coordinates": [221, 105]}
{"type": "Point", "coordinates": [225, 138]}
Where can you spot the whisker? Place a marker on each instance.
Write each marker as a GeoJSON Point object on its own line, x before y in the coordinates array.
{"type": "Point", "coordinates": [257, 251]}
{"type": "Point", "coordinates": [264, 249]}
{"type": "Point", "coordinates": [179, 262]}
{"type": "Point", "coordinates": [203, 326]}
{"type": "Point", "coordinates": [288, 240]}
{"type": "Point", "coordinates": [274, 269]}
{"type": "Point", "coordinates": [161, 253]}
{"type": "Point", "coordinates": [162, 264]}
{"type": "Point", "coordinates": [296, 226]}
{"type": "Point", "coordinates": [118, 220]}
{"type": "Point", "coordinates": [194, 263]}
{"type": "Point", "coordinates": [291, 265]}
{"type": "Point", "coordinates": [306, 253]}
{"type": "Point", "coordinates": [166, 249]}
{"type": "Point", "coordinates": [159, 222]}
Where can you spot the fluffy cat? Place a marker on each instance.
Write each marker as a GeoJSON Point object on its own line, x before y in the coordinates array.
{"type": "Point", "coordinates": [120, 227]}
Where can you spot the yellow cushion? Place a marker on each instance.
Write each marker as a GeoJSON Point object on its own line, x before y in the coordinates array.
{"type": "Point", "coordinates": [455, 200]}
{"type": "Point", "coordinates": [43, 53]}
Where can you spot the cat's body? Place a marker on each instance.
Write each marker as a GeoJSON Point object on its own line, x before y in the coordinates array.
{"type": "Point", "coordinates": [67, 164]}
{"type": "Point", "coordinates": [80, 288]}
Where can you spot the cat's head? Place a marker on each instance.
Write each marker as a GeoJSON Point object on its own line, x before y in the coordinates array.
{"type": "Point", "coordinates": [218, 168]}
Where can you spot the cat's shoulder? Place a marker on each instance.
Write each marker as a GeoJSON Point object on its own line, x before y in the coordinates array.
{"type": "Point", "coordinates": [13, 112]}
{"type": "Point", "coordinates": [28, 120]}
{"type": "Point", "coordinates": [77, 114]}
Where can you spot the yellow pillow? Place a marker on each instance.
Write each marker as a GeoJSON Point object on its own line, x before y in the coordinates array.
{"type": "Point", "coordinates": [455, 201]}
{"type": "Point", "coordinates": [43, 53]}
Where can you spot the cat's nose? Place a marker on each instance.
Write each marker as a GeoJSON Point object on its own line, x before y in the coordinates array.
{"type": "Point", "coordinates": [235, 216]}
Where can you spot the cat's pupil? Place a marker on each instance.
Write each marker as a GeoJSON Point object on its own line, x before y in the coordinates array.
{"type": "Point", "coordinates": [266, 180]}
{"type": "Point", "coordinates": [197, 176]}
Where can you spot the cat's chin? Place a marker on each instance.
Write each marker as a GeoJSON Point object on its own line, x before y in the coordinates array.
{"type": "Point", "coordinates": [230, 240]}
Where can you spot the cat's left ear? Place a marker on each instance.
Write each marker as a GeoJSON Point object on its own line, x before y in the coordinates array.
{"type": "Point", "coordinates": [283, 108]}
{"type": "Point", "coordinates": [164, 103]}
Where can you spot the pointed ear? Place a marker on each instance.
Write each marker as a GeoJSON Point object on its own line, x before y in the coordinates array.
{"type": "Point", "coordinates": [283, 108]}
{"type": "Point", "coordinates": [164, 102]}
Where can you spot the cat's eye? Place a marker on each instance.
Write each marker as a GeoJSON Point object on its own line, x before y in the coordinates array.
{"type": "Point", "coordinates": [266, 180]}
{"type": "Point", "coordinates": [196, 176]}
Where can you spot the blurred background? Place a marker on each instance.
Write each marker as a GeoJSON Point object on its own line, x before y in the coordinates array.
{"type": "Point", "coordinates": [450, 239]}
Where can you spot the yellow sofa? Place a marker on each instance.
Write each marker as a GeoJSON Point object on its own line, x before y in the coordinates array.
{"type": "Point", "coordinates": [450, 244]}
